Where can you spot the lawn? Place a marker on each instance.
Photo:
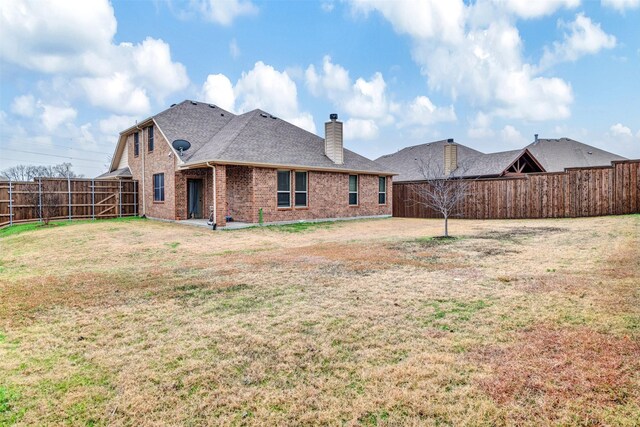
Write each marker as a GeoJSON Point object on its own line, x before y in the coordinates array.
{"type": "Point", "coordinates": [367, 322]}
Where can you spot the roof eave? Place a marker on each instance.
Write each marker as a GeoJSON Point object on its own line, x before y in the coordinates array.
{"type": "Point", "coordinates": [206, 163]}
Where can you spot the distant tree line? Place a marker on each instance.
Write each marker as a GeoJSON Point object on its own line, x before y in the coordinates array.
{"type": "Point", "coordinates": [29, 172]}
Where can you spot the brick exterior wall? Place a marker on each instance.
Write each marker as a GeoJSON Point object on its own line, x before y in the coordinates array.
{"type": "Point", "coordinates": [156, 161]}
{"type": "Point", "coordinates": [240, 193]}
{"type": "Point", "coordinates": [181, 191]}
{"type": "Point", "coordinates": [328, 197]}
{"type": "Point", "coordinates": [242, 190]}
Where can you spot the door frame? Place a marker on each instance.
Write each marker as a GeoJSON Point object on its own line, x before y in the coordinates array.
{"type": "Point", "coordinates": [202, 213]}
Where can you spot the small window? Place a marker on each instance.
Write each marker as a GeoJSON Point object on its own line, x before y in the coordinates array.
{"type": "Point", "coordinates": [284, 189]}
{"type": "Point", "coordinates": [382, 190]}
{"type": "Point", "coordinates": [301, 189]}
{"type": "Point", "coordinates": [136, 144]}
{"type": "Point", "coordinates": [150, 137]}
{"type": "Point", "coordinates": [158, 187]}
{"type": "Point", "coordinates": [353, 190]}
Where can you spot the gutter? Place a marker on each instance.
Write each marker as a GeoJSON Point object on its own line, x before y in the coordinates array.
{"type": "Point", "coordinates": [215, 211]}
{"type": "Point", "coordinates": [144, 205]}
{"type": "Point", "coordinates": [284, 166]}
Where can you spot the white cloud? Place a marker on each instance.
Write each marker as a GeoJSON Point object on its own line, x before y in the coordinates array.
{"type": "Point", "coordinates": [621, 5]}
{"type": "Point", "coordinates": [54, 116]}
{"type": "Point", "coordinates": [234, 49]}
{"type": "Point", "coordinates": [54, 37]}
{"type": "Point", "coordinates": [154, 69]}
{"type": "Point", "coordinates": [421, 111]}
{"type": "Point", "coordinates": [217, 89]}
{"type": "Point", "coordinates": [362, 99]}
{"type": "Point", "coordinates": [362, 129]}
{"type": "Point", "coordinates": [223, 12]}
{"type": "Point", "coordinates": [24, 106]}
{"type": "Point", "coordinates": [480, 127]}
{"type": "Point", "coordinates": [620, 130]}
{"type": "Point", "coordinates": [476, 52]}
{"type": "Point", "coordinates": [537, 8]}
{"type": "Point", "coordinates": [512, 136]}
{"type": "Point", "coordinates": [584, 38]}
{"type": "Point", "coordinates": [74, 41]}
{"type": "Point", "coordinates": [115, 124]}
{"type": "Point", "coordinates": [421, 19]}
{"type": "Point", "coordinates": [116, 93]}
{"type": "Point", "coordinates": [269, 89]}
{"type": "Point", "coordinates": [262, 87]}
{"type": "Point", "coordinates": [332, 82]}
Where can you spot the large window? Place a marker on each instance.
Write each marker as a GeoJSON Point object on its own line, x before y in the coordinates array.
{"type": "Point", "coordinates": [136, 144]}
{"type": "Point", "coordinates": [382, 190]}
{"type": "Point", "coordinates": [150, 137]}
{"type": "Point", "coordinates": [158, 187]}
{"type": "Point", "coordinates": [301, 189]}
{"type": "Point", "coordinates": [284, 189]}
{"type": "Point", "coordinates": [353, 190]}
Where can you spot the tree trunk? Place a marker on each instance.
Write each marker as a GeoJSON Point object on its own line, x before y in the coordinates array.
{"type": "Point", "coordinates": [446, 226]}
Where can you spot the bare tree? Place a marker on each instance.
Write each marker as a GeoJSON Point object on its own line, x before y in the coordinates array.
{"type": "Point", "coordinates": [29, 172]}
{"type": "Point", "coordinates": [442, 190]}
{"type": "Point", "coordinates": [45, 199]}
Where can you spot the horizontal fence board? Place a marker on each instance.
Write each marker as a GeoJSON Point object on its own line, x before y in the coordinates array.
{"type": "Point", "coordinates": [61, 198]}
{"type": "Point", "coordinates": [576, 192]}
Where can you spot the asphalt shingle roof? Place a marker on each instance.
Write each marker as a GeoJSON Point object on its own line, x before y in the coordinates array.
{"type": "Point", "coordinates": [554, 155]}
{"type": "Point", "coordinates": [407, 162]}
{"type": "Point", "coordinates": [557, 154]}
{"type": "Point", "coordinates": [253, 137]}
{"type": "Point", "coordinates": [118, 173]}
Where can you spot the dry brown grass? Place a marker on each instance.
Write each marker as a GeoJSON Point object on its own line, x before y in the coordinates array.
{"type": "Point", "coordinates": [359, 323]}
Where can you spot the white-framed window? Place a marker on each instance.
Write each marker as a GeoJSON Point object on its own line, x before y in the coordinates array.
{"type": "Point", "coordinates": [158, 187]}
{"type": "Point", "coordinates": [150, 138]}
{"type": "Point", "coordinates": [301, 189]}
{"type": "Point", "coordinates": [284, 189]}
{"type": "Point", "coordinates": [136, 144]}
{"type": "Point", "coordinates": [382, 190]}
{"type": "Point", "coordinates": [353, 190]}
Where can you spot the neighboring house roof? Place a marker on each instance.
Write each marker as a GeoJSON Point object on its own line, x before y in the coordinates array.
{"type": "Point", "coordinates": [557, 154]}
{"type": "Point", "coordinates": [407, 162]}
{"type": "Point", "coordinates": [548, 155]}
{"type": "Point", "coordinates": [116, 174]}
{"type": "Point", "coordinates": [256, 137]}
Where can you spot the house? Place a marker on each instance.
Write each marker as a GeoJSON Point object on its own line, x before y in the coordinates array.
{"type": "Point", "coordinates": [444, 158]}
{"type": "Point", "coordinates": [195, 157]}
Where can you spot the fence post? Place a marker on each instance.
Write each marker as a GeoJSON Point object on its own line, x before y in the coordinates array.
{"type": "Point", "coordinates": [93, 200]}
{"type": "Point", "coordinates": [120, 198]}
{"type": "Point", "coordinates": [10, 203]}
{"type": "Point", "coordinates": [69, 193]}
{"type": "Point", "coordinates": [135, 197]}
{"type": "Point", "coordinates": [40, 198]}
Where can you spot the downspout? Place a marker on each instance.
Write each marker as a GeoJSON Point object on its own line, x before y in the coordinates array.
{"type": "Point", "coordinates": [215, 211]}
{"type": "Point", "coordinates": [141, 137]}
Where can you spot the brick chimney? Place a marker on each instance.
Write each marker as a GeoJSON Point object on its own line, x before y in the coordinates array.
{"type": "Point", "coordinates": [333, 146]}
{"type": "Point", "coordinates": [450, 156]}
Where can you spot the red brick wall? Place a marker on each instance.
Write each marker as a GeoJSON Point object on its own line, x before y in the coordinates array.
{"type": "Point", "coordinates": [156, 161]}
{"type": "Point", "coordinates": [181, 191]}
{"type": "Point", "coordinates": [328, 197]}
{"type": "Point", "coordinates": [240, 193]}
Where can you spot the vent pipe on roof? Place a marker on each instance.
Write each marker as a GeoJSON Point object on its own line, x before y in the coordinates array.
{"type": "Point", "coordinates": [450, 156]}
{"type": "Point", "coordinates": [333, 144]}
{"type": "Point", "coordinates": [535, 137]}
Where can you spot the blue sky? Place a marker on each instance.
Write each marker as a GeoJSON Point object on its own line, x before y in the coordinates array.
{"type": "Point", "coordinates": [489, 73]}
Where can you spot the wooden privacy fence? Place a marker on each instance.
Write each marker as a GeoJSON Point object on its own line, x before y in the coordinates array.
{"type": "Point", "coordinates": [64, 198]}
{"type": "Point", "coordinates": [576, 192]}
